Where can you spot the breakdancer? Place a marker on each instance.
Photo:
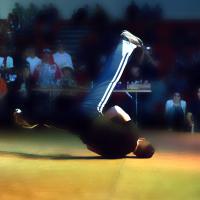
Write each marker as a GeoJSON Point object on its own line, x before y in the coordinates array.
{"type": "Point", "coordinates": [108, 132]}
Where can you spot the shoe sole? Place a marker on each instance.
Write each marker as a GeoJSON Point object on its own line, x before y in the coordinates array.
{"type": "Point", "coordinates": [30, 127]}
{"type": "Point", "coordinates": [132, 38]}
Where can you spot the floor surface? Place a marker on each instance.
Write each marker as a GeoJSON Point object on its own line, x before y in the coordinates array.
{"type": "Point", "coordinates": [53, 165]}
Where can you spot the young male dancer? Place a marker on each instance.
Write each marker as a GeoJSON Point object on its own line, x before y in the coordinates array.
{"type": "Point", "coordinates": [109, 133]}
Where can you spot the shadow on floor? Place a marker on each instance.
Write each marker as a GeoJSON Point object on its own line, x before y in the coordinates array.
{"type": "Point", "coordinates": [54, 156]}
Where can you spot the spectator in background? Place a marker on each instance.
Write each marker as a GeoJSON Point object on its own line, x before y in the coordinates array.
{"type": "Point", "coordinates": [20, 96]}
{"type": "Point", "coordinates": [193, 115]}
{"type": "Point", "coordinates": [67, 79]}
{"type": "Point", "coordinates": [14, 22]}
{"type": "Point", "coordinates": [134, 72]}
{"type": "Point", "coordinates": [33, 60]}
{"type": "Point", "coordinates": [3, 92]}
{"type": "Point", "coordinates": [62, 58]}
{"type": "Point", "coordinates": [47, 74]}
{"type": "Point", "coordinates": [142, 67]}
{"type": "Point", "coordinates": [23, 82]}
{"type": "Point", "coordinates": [19, 89]}
{"type": "Point", "coordinates": [6, 63]}
{"type": "Point", "coordinates": [150, 65]}
{"type": "Point", "coordinates": [175, 110]}
{"type": "Point", "coordinates": [20, 92]}
{"type": "Point", "coordinates": [3, 88]}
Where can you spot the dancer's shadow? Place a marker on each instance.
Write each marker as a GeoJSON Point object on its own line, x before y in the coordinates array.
{"type": "Point", "coordinates": [48, 156]}
{"type": "Point", "coordinates": [53, 156]}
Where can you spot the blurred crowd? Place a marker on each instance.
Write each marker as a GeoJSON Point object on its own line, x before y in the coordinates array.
{"type": "Point", "coordinates": [34, 81]}
{"type": "Point", "coordinates": [45, 80]}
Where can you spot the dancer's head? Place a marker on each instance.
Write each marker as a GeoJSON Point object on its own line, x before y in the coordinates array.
{"type": "Point", "coordinates": [144, 149]}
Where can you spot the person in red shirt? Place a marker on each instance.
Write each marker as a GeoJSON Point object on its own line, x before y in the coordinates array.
{"type": "Point", "coordinates": [47, 74]}
{"type": "Point", "coordinates": [3, 87]}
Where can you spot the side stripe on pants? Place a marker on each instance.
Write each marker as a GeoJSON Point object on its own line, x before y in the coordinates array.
{"type": "Point", "coordinates": [111, 74]}
{"type": "Point", "coordinates": [115, 78]}
{"type": "Point", "coordinates": [112, 85]}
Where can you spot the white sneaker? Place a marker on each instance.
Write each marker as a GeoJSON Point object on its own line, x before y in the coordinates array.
{"type": "Point", "coordinates": [132, 38]}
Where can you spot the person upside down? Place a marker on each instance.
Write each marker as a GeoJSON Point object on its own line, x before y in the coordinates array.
{"type": "Point", "coordinates": [110, 132]}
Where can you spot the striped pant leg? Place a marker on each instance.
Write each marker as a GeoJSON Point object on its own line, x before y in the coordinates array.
{"type": "Point", "coordinates": [111, 74]}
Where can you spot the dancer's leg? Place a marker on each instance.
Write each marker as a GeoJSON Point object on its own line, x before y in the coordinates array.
{"type": "Point", "coordinates": [105, 84]}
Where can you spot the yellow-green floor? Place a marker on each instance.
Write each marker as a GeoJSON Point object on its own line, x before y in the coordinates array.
{"type": "Point", "coordinates": [53, 165]}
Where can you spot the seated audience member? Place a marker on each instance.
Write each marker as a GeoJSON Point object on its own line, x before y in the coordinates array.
{"type": "Point", "coordinates": [23, 97]}
{"type": "Point", "coordinates": [175, 110]}
{"type": "Point", "coordinates": [6, 63]}
{"type": "Point", "coordinates": [3, 87]}
{"type": "Point", "coordinates": [193, 115]}
{"type": "Point", "coordinates": [62, 58]}
{"type": "Point", "coordinates": [23, 81]}
{"type": "Point", "coordinates": [3, 92]}
{"type": "Point", "coordinates": [67, 79]}
{"type": "Point", "coordinates": [33, 60]}
{"type": "Point", "coordinates": [134, 72]}
{"type": "Point", "coordinates": [19, 89]}
{"type": "Point", "coordinates": [150, 65]}
{"type": "Point", "coordinates": [47, 74]}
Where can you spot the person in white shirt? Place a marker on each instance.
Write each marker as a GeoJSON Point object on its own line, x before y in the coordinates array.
{"type": "Point", "coordinates": [62, 58]}
{"type": "Point", "coordinates": [6, 63]}
{"type": "Point", "coordinates": [33, 60]}
{"type": "Point", "coordinates": [175, 110]}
